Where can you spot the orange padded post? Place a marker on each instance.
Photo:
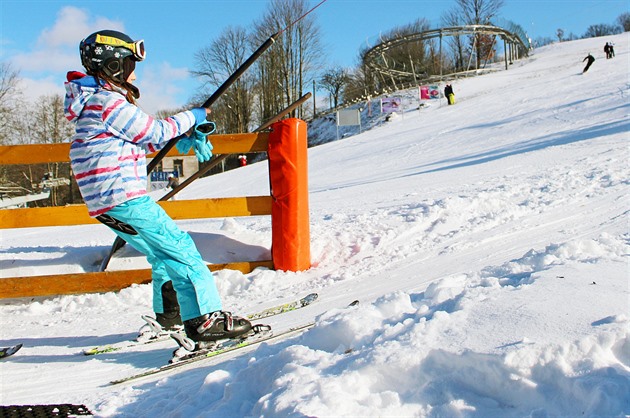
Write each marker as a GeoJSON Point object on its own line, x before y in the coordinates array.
{"type": "Point", "coordinates": [288, 174]}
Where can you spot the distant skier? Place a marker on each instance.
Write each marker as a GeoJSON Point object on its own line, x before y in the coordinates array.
{"type": "Point", "coordinates": [108, 156]}
{"type": "Point", "coordinates": [242, 160]}
{"type": "Point", "coordinates": [591, 60]}
{"type": "Point", "coordinates": [448, 93]}
{"type": "Point", "coordinates": [173, 183]}
{"type": "Point", "coordinates": [607, 50]}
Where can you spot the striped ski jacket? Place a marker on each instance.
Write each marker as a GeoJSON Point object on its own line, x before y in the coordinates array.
{"type": "Point", "coordinates": [112, 139]}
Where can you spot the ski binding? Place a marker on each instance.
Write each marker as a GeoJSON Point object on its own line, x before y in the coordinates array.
{"type": "Point", "coordinates": [189, 349]}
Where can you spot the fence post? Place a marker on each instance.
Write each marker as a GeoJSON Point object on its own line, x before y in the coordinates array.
{"type": "Point", "coordinates": [288, 175]}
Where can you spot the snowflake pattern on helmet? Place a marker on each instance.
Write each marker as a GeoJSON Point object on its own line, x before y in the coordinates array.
{"type": "Point", "coordinates": [100, 53]}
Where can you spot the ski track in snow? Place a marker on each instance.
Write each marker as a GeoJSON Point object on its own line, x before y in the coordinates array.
{"type": "Point", "coordinates": [487, 242]}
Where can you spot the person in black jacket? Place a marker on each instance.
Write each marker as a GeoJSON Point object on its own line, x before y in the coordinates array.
{"type": "Point", "coordinates": [591, 60]}
{"type": "Point", "coordinates": [448, 93]}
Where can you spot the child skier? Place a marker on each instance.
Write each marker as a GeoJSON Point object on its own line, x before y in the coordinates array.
{"type": "Point", "coordinates": [108, 158]}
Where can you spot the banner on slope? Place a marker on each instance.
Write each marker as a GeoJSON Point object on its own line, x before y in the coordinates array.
{"type": "Point", "coordinates": [429, 92]}
{"type": "Point", "coordinates": [391, 104]}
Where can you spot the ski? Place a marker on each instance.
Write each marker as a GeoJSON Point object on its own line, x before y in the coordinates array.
{"type": "Point", "coordinates": [183, 357]}
{"type": "Point", "coordinates": [9, 351]}
{"type": "Point", "coordinates": [152, 332]}
{"type": "Point", "coordinates": [189, 349]}
{"type": "Point", "coordinates": [221, 348]}
{"type": "Point", "coordinates": [285, 307]}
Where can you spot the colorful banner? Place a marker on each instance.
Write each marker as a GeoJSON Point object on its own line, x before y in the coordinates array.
{"type": "Point", "coordinates": [429, 92]}
{"type": "Point", "coordinates": [391, 104]}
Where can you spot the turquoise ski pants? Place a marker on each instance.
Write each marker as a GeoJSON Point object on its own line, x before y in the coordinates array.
{"type": "Point", "coordinates": [172, 255]}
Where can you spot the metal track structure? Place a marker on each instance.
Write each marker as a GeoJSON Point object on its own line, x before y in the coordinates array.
{"type": "Point", "coordinates": [516, 45]}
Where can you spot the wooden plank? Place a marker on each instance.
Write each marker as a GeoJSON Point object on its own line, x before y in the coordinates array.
{"type": "Point", "coordinates": [51, 153]}
{"type": "Point", "coordinates": [97, 282]}
{"type": "Point", "coordinates": [179, 209]}
{"type": "Point", "coordinates": [218, 208]}
{"type": "Point", "coordinates": [34, 153]}
{"type": "Point", "coordinates": [239, 143]}
{"type": "Point", "coordinates": [47, 216]}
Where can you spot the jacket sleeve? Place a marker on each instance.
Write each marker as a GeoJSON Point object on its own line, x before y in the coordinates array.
{"type": "Point", "coordinates": [129, 123]}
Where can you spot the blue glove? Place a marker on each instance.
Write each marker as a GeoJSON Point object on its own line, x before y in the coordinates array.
{"type": "Point", "coordinates": [184, 145]}
{"type": "Point", "coordinates": [201, 145]}
{"type": "Point", "coordinates": [197, 139]}
{"type": "Point", "coordinates": [203, 148]}
{"type": "Point", "coordinates": [200, 114]}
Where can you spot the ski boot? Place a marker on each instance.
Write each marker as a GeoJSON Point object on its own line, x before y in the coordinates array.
{"type": "Point", "coordinates": [216, 326]}
{"type": "Point", "coordinates": [169, 321]}
{"type": "Point", "coordinates": [215, 332]}
{"type": "Point", "coordinates": [207, 331]}
{"type": "Point", "coordinates": [164, 323]}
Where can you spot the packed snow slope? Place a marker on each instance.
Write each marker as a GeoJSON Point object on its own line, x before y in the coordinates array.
{"type": "Point", "coordinates": [487, 243]}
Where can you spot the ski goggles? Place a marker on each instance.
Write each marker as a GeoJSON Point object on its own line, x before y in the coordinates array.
{"type": "Point", "coordinates": [136, 47]}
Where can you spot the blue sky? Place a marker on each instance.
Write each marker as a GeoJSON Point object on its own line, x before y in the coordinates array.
{"type": "Point", "coordinates": [40, 38]}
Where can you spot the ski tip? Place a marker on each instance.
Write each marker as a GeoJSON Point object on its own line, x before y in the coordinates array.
{"type": "Point", "coordinates": [9, 351]}
{"type": "Point", "coordinates": [100, 350]}
{"type": "Point", "coordinates": [354, 302]}
{"type": "Point", "coordinates": [308, 299]}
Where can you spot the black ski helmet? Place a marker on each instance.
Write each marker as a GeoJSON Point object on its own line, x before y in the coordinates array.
{"type": "Point", "coordinates": [112, 52]}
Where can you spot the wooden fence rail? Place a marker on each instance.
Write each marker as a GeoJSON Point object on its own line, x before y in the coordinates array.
{"type": "Point", "coordinates": [48, 285]}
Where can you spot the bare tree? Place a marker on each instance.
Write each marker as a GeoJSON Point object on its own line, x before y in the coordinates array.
{"type": "Point", "coordinates": [560, 34]}
{"type": "Point", "coordinates": [11, 127]}
{"type": "Point", "coordinates": [215, 64]}
{"type": "Point", "coordinates": [48, 124]}
{"type": "Point", "coordinates": [11, 105]}
{"type": "Point", "coordinates": [478, 12]}
{"type": "Point", "coordinates": [412, 57]}
{"type": "Point", "coordinates": [293, 60]}
{"type": "Point", "coordinates": [362, 83]}
{"type": "Point", "coordinates": [456, 42]}
{"type": "Point", "coordinates": [624, 21]}
{"type": "Point", "coordinates": [334, 80]}
{"type": "Point", "coordinates": [602, 29]}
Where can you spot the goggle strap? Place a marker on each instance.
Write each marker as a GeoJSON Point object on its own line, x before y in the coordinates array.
{"type": "Point", "coordinates": [136, 47]}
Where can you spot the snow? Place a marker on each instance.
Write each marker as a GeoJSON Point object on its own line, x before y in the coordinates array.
{"type": "Point", "coordinates": [487, 243]}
